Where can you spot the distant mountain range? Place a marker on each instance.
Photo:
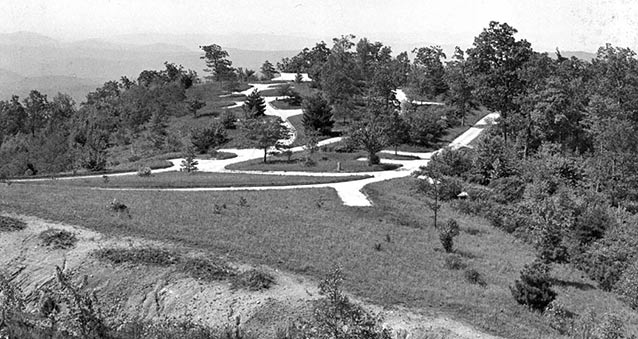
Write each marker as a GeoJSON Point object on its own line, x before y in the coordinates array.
{"type": "Point", "coordinates": [34, 61]}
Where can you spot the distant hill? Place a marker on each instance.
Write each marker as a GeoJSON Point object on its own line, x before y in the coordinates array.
{"type": "Point", "coordinates": [29, 60]}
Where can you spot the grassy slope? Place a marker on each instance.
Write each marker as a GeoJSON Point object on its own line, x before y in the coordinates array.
{"type": "Point", "coordinates": [198, 179]}
{"type": "Point", "coordinates": [325, 162]}
{"type": "Point", "coordinates": [308, 230]}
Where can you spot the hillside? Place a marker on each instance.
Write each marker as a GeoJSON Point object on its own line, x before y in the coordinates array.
{"type": "Point", "coordinates": [32, 61]}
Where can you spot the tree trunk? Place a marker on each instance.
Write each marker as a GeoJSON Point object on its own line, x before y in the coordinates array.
{"type": "Point", "coordinates": [265, 153]}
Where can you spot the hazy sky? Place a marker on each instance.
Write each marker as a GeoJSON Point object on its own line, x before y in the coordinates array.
{"type": "Point", "coordinates": [568, 24]}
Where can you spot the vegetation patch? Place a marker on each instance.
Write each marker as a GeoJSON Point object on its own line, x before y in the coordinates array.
{"type": "Point", "coordinates": [137, 256]}
{"type": "Point", "coordinates": [253, 280]}
{"type": "Point", "coordinates": [57, 238]}
{"type": "Point", "coordinates": [9, 224]}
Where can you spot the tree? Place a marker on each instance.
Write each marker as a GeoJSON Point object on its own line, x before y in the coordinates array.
{"type": "Point", "coordinates": [255, 105]}
{"type": "Point", "coordinates": [268, 70]}
{"type": "Point", "coordinates": [431, 186]}
{"type": "Point", "coordinates": [447, 234]}
{"type": "Point", "coordinates": [336, 316]}
{"type": "Point", "coordinates": [429, 71]}
{"type": "Point", "coordinates": [189, 164]}
{"type": "Point", "coordinates": [317, 114]}
{"type": "Point", "coordinates": [397, 130]}
{"type": "Point", "coordinates": [426, 124]}
{"type": "Point", "coordinates": [36, 107]}
{"type": "Point", "coordinates": [339, 77]}
{"type": "Point", "coordinates": [370, 135]}
{"type": "Point", "coordinates": [217, 62]}
{"type": "Point", "coordinates": [266, 133]}
{"type": "Point", "coordinates": [534, 287]}
{"type": "Point", "coordinates": [494, 63]}
{"type": "Point", "coordinates": [459, 93]}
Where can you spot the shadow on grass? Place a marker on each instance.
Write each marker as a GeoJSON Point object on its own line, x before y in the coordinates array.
{"type": "Point", "coordinates": [575, 284]}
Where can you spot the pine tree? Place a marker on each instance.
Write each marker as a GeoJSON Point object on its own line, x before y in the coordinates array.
{"type": "Point", "coordinates": [189, 164]}
{"type": "Point", "coordinates": [317, 114]}
{"type": "Point", "coordinates": [534, 287]}
{"type": "Point", "coordinates": [255, 105]}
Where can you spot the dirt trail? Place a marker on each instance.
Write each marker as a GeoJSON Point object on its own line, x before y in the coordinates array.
{"type": "Point", "coordinates": [150, 293]}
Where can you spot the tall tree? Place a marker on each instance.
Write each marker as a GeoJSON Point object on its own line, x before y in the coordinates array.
{"type": "Point", "coordinates": [268, 70]}
{"type": "Point", "coordinates": [317, 114]}
{"type": "Point", "coordinates": [255, 105]}
{"type": "Point", "coordinates": [429, 71]}
{"type": "Point", "coordinates": [371, 136]}
{"type": "Point", "coordinates": [217, 62]}
{"type": "Point", "coordinates": [339, 77]}
{"type": "Point", "coordinates": [460, 91]}
{"type": "Point", "coordinates": [494, 63]}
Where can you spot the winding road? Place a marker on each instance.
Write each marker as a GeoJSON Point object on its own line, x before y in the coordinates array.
{"type": "Point", "coordinates": [350, 192]}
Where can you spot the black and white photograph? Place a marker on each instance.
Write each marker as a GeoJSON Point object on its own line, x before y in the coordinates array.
{"type": "Point", "coordinates": [318, 169]}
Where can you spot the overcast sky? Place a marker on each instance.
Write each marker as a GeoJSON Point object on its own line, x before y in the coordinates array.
{"type": "Point", "coordinates": [568, 24]}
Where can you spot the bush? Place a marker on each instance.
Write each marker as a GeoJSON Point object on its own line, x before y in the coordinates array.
{"type": "Point", "coordinates": [559, 318]}
{"type": "Point", "coordinates": [136, 256]}
{"type": "Point", "coordinates": [205, 138]}
{"type": "Point", "coordinates": [450, 188]}
{"type": "Point", "coordinates": [204, 269]}
{"type": "Point", "coordinates": [507, 190]}
{"type": "Point", "coordinates": [228, 119]}
{"type": "Point", "coordinates": [474, 277]}
{"type": "Point", "coordinates": [627, 286]}
{"type": "Point", "coordinates": [253, 280]}
{"type": "Point", "coordinates": [426, 125]}
{"type": "Point", "coordinates": [452, 162]}
{"type": "Point", "coordinates": [144, 172]}
{"type": "Point", "coordinates": [447, 233]}
{"type": "Point", "coordinates": [454, 262]}
{"type": "Point", "coordinates": [534, 287]}
{"type": "Point", "coordinates": [9, 224]}
{"type": "Point", "coordinates": [57, 239]}
{"type": "Point", "coordinates": [605, 261]}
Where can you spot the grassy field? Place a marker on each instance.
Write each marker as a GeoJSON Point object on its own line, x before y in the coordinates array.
{"type": "Point", "coordinates": [390, 253]}
{"type": "Point", "coordinates": [325, 161]}
{"type": "Point", "coordinates": [197, 179]}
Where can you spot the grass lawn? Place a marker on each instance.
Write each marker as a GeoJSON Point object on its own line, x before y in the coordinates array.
{"type": "Point", "coordinates": [325, 161]}
{"type": "Point", "coordinates": [307, 231]}
{"type": "Point", "coordinates": [281, 104]}
{"type": "Point", "coordinates": [197, 179]}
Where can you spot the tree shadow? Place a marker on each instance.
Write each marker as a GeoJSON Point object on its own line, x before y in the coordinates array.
{"type": "Point", "coordinates": [576, 284]}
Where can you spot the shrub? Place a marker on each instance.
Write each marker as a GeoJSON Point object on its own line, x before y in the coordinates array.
{"type": "Point", "coordinates": [9, 224]}
{"type": "Point", "coordinates": [426, 125]}
{"type": "Point", "coordinates": [474, 277]}
{"type": "Point", "coordinates": [189, 164]}
{"type": "Point", "coordinates": [204, 269]}
{"type": "Point", "coordinates": [627, 286]}
{"type": "Point", "coordinates": [205, 138]}
{"type": "Point", "coordinates": [507, 190]}
{"type": "Point", "coordinates": [605, 261]}
{"type": "Point", "coordinates": [144, 256]}
{"type": "Point", "coordinates": [559, 317]}
{"type": "Point", "coordinates": [57, 238]}
{"type": "Point", "coordinates": [450, 188]}
{"type": "Point", "coordinates": [144, 172]}
{"type": "Point", "coordinates": [253, 280]}
{"type": "Point", "coordinates": [534, 287]}
{"type": "Point", "coordinates": [228, 119]}
{"type": "Point", "coordinates": [336, 316]}
{"type": "Point", "coordinates": [454, 262]}
{"type": "Point", "coordinates": [447, 233]}
{"type": "Point", "coordinates": [452, 162]}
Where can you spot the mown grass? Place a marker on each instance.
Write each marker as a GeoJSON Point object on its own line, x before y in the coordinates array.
{"type": "Point", "coordinates": [282, 104]}
{"type": "Point", "coordinates": [308, 230]}
{"type": "Point", "coordinates": [325, 161]}
{"type": "Point", "coordinates": [197, 179]}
